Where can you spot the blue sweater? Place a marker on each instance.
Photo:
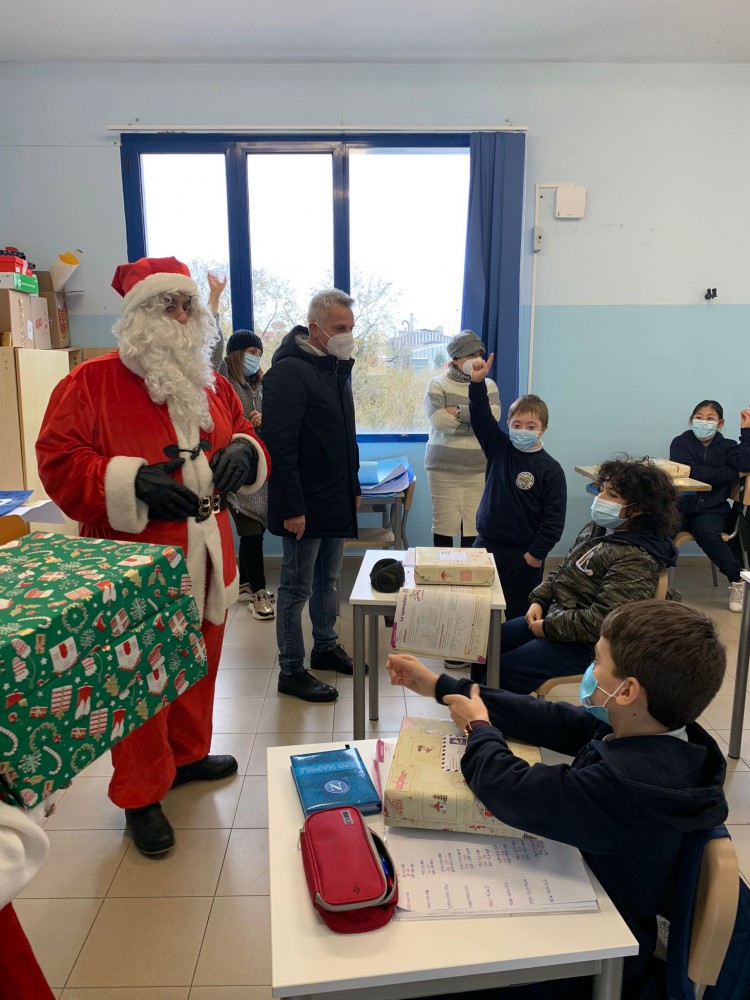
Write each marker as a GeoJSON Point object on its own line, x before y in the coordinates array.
{"type": "Point", "coordinates": [718, 465]}
{"type": "Point", "coordinates": [525, 494]}
{"type": "Point", "coordinates": [626, 804]}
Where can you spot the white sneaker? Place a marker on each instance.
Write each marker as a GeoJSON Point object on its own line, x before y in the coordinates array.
{"type": "Point", "coordinates": [245, 592]}
{"type": "Point", "coordinates": [736, 596]}
{"type": "Point", "coordinates": [457, 664]}
{"type": "Point", "coordinates": [260, 606]}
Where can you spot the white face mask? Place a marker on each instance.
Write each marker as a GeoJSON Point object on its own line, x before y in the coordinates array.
{"type": "Point", "coordinates": [340, 345]}
{"type": "Point", "coordinates": [468, 366]}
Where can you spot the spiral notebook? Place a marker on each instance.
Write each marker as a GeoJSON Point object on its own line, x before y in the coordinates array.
{"type": "Point", "coordinates": [334, 778]}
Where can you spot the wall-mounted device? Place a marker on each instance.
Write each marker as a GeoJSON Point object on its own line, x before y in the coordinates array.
{"type": "Point", "coordinates": [710, 294]}
{"type": "Point", "coordinates": [570, 202]}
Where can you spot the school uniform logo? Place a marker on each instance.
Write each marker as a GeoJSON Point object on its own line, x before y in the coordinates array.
{"type": "Point", "coordinates": [525, 480]}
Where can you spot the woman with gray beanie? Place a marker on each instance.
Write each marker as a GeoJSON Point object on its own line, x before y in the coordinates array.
{"type": "Point", "coordinates": [454, 461]}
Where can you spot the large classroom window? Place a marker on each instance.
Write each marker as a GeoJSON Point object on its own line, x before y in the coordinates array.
{"type": "Point", "coordinates": [382, 217]}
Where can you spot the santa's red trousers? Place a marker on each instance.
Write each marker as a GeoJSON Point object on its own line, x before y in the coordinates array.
{"type": "Point", "coordinates": [180, 733]}
{"type": "Point", "coordinates": [20, 975]}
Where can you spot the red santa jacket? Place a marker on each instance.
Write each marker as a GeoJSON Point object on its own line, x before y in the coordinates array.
{"type": "Point", "coordinates": [100, 427]}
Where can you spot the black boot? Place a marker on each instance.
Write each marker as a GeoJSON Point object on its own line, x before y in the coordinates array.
{"type": "Point", "coordinates": [212, 767]}
{"type": "Point", "coordinates": [306, 686]}
{"type": "Point", "coordinates": [151, 830]}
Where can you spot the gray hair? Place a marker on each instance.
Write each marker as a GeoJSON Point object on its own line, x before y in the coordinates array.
{"type": "Point", "coordinates": [321, 302]}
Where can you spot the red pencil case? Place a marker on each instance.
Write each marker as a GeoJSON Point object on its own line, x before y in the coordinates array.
{"type": "Point", "coordinates": [349, 871]}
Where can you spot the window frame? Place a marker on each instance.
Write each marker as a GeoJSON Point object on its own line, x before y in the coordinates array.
{"type": "Point", "coordinates": [235, 149]}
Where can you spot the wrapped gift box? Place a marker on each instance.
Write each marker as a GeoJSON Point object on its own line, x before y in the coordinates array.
{"type": "Point", "coordinates": [96, 636]}
{"type": "Point", "coordinates": [425, 788]}
{"type": "Point", "coordinates": [457, 567]}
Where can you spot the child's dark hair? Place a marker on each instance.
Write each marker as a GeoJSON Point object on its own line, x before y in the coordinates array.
{"type": "Point", "coordinates": [646, 487]}
{"type": "Point", "coordinates": [673, 650]}
{"type": "Point", "coordinates": [714, 406]}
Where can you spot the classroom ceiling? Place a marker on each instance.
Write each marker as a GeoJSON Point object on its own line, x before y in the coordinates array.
{"type": "Point", "coordinates": [334, 31]}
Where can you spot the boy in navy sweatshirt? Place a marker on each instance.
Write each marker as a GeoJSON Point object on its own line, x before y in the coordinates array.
{"type": "Point", "coordinates": [522, 511]}
{"type": "Point", "coordinates": [644, 773]}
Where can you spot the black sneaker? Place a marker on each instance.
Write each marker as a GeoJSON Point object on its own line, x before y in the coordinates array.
{"type": "Point", "coordinates": [151, 829]}
{"type": "Point", "coordinates": [306, 686]}
{"type": "Point", "coordinates": [333, 659]}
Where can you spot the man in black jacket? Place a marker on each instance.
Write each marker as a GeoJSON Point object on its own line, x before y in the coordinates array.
{"type": "Point", "coordinates": [313, 492]}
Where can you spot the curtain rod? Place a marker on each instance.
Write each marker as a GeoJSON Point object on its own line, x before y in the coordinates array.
{"type": "Point", "coordinates": [353, 129]}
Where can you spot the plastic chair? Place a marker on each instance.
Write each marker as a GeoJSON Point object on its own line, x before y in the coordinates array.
{"type": "Point", "coordinates": [12, 526]}
{"type": "Point", "coordinates": [551, 683]}
{"type": "Point", "coordinates": [384, 538]}
{"type": "Point", "coordinates": [740, 493]}
{"type": "Point", "coordinates": [714, 914]}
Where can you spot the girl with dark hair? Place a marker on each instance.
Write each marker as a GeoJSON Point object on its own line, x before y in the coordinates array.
{"type": "Point", "coordinates": [715, 460]}
{"type": "Point", "coordinates": [617, 558]}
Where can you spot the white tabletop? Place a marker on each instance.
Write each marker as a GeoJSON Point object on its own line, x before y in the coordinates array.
{"type": "Point", "coordinates": [363, 593]}
{"type": "Point", "coordinates": [309, 958]}
{"type": "Point", "coordinates": [745, 575]}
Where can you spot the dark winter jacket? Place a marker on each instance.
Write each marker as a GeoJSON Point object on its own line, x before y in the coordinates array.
{"type": "Point", "coordinates": [309, 430]}
{"type": "Point", "coordinates": [717, 464]}
{"type": "Point", "coordinates": [625, 803]}
{"type": "Point", "coordinates": [601, 572]}
{"type": "Point", "coordinates": [525, 495]}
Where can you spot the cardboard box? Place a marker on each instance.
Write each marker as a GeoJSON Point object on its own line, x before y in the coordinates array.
{"type": "Point", "coordinates": [96, 352]}
{"type": "Point", "coordinates": [96, 636]}
{"type": "Point", "coordinates": [457, 567]}
{"type": "Point", "coordinates": [15, 317]}
{"type": "Point", "coordinates": [40, 319]}
{"type": "Point", "coordinates": [59, 327]}
{"type": "Point", "coordinates": [19, 282]}
{"type": "Point", "coordinates": [425, 789]}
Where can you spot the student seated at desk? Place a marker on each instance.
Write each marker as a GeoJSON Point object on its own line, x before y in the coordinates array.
{"type": "Point", "coordinates": [617, 558]}
{"type": "Point", "coordinates": [644, 773]}
{"type": "Point", "coordinates": [715, 460]}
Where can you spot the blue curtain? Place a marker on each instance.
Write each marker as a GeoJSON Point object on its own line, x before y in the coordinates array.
{"type": "Point", "coordinates": [493, 252]}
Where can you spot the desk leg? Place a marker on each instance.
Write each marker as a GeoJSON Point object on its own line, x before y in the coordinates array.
{"type": "Point", "coordinates": [740, 678]}
{"type": "Point", "coordinates": [608, 984]}
{"type": "Point", "coordinates": [398, 523]}
{"type": "Point", "coordinates": [372, 650]}
{"type": "Point", "coordinates": [493, 650]}
{"type": "Point", "coordinates": [358, 723]}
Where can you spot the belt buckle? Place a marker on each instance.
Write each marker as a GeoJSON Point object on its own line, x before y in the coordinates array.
{"type": "Point", "coordinates": [207, 506]}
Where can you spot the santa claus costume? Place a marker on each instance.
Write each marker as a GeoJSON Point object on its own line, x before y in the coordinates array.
{"type": "Point", "coordinates": [141, 445]}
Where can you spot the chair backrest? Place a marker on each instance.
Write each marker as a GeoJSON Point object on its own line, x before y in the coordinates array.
{"type": "Point", "coordinates": [662, 586]}
{"type": "Point", "coordinates": [409, 495]}
{"type": "Point", "coordinates": [744, 493]}
{"type": "Point", "coordinates": [715, 911]}
{"type": "Point", "coordinates": [12, 526]}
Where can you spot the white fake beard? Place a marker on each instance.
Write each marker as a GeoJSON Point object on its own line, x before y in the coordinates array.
{"type": "Point", "coordinates": [174, 358]}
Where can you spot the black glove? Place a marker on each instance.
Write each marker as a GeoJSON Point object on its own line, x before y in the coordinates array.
{"type": "Point", "coordinates": [166, 499]}
{"type": "Point", "coordinates": [234, 466]}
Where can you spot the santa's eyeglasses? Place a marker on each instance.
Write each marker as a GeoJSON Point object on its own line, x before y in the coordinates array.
{"type": "Point", "coordinates": [174, 451]}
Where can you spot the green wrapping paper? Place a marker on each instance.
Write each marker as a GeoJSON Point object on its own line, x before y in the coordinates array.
{"type": "Point", "coordinates": [96, 636]}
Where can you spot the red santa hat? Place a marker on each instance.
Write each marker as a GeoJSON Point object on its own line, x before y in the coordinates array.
{"type": "Point", "coordinates": [149, 276]}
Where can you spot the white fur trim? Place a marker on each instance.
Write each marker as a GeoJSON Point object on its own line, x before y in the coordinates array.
{"type": "Point", "coordinates": [167, 281]}
{"type": "Point", "coordinates": [262, 471]}
{"type": "Point", "coordinates": [23, 848]}
{"type": "Point", "coordinates": [125, 512]}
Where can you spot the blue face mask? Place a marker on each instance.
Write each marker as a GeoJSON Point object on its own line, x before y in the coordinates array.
{"type": "Point", "coordinates": [587, 688]}
{"type": "Point", "coordinates": [523, 440]}
{"type": "Point", "coordinates": [606, 513]}
{"type": "Point", "coordinates": [250, 364]}
{"type": "Point", "coordinates": [704, 429]}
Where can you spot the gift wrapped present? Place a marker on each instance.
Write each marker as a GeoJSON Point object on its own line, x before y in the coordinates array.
{"type": "Point", "coordinates": [96, 636]}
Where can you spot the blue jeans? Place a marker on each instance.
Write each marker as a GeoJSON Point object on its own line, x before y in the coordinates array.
{"type": "Point", "coordinates": [310, 570]}
{"type": "Point", "coordinates": [526, 662]}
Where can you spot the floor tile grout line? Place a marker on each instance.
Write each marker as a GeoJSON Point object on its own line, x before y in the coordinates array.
{"type": "Point", "coordinates": [83, 943]}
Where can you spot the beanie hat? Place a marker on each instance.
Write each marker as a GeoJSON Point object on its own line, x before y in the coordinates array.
{"type": "Point", "coordinates": [465, 343]}
{"type": "Point", "coordinates": [242, 339]}
{"type": "Point", "coordinates": [387, 575]}
{"type": "Point", "coordinates": [144, 278]}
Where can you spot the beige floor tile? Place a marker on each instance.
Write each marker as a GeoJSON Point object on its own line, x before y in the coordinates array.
{"type": "Point", "coordinates": [284, 714]}
{"type": "Point", "coordinates": [252, 810]}
{"type": "Point", "coordinates": [143, 942]}
{"type": "Point", "coordinates": [126, 993]}
{"type": "Point", "coordinates": [737, 791]}
{"type": "Point", "coordinates": [345, 684]}
{"type": "Point", "coordinates": [245, 869]}
{"type": "Point", "coordinates": [744, 744]}
{"type": "Point", "coordinates": [239, 745]}
{"type": "Point", "coordinates": [390, 713]}
{"type": "Point", "coordinates": [263, 741]}
{"type": "Point", "coordinates": [233, 682]}
{"type": "Point", "coordinates": [236, 948]}
{"type": "Point", "coordinates": [346, 736]}
{"type": "Point", "coordinates": [57, 929]}
{"type": "Point", "coordinates": [85, 806]}
{"type": "Point", "coordinates": [204, 805]}
{"type": "Point", "coordinates": [230, 993]}
{"type": "Point", "coordinates": [192, 868]}
{"type": "Point", "coordinates": [721, 739]}
{"type": "Point", "coordinates": [80, 864]}
{"type": "Point", "coordinates": [426, 708]}
{"type": "Point", "coordinates": [237, 715]}
{"type": "Point", "coordinates": [718, 714]}
{"type": "Point", "coordinates": [99, 768]}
